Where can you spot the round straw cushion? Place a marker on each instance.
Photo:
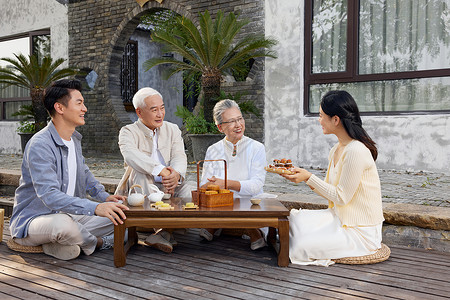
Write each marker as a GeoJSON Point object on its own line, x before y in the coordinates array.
{"type": "Point", "coordinates": [381, 255]}
{"type": "Point", "coordinates": [26, 249]}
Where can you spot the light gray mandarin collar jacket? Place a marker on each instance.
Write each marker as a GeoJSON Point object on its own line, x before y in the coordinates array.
{"type": "Point", "coordinates": [43, 185]}
{"type": "Point", "coordinates": [136, 146]}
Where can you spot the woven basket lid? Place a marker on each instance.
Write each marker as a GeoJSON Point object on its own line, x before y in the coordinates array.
{"type": "Point", "coordinates": [381, 255]}
{"type": "Point", "coordinates": [26, 249]}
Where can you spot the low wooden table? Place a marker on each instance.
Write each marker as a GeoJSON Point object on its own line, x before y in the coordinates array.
{"type": "Point", "coordinates": [269, 213]}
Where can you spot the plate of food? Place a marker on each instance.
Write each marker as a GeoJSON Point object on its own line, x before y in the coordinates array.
{"type": "Point", "coordinates": [165, 206]}
{"type": "Point", "coordinates": [190, 205]}
{"type": "Point", "coordinates": [280, 166]}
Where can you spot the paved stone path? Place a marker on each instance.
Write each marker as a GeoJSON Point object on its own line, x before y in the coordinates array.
{"type": "Point", "coordinates": [421, 188]}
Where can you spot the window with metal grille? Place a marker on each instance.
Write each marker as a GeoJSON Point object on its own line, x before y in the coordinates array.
{"type": "Point", "coordinates": [129, 74]}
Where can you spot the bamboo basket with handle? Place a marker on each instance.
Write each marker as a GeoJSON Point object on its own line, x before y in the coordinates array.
{"type": "Point", "coordinates": [215, 200]}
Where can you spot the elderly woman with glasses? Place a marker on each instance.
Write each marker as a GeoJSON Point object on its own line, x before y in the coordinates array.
{"type": "Point", "coordinates": [245, 159]}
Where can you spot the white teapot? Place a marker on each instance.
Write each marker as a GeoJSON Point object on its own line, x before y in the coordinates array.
{"type": "Point", "coordinates": [135, 199]}
{"type": "Point", "coordinates": [156, 195]}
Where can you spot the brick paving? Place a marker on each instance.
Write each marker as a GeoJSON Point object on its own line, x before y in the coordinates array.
{"type": "Point", "coordinates": [423, 188]}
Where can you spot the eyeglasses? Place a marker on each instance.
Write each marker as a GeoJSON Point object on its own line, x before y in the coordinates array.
{"type": "Point", "coordinates": [239, 120]}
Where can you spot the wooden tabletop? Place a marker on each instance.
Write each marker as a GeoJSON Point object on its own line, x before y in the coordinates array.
{"type": "Point", "coordinates": [241, 208]}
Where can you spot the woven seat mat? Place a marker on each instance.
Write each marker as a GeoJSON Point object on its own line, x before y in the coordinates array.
{"type": "Point", "coordinates": [381, 255]}
{"type": "Point", "coordinates": [26, 249]}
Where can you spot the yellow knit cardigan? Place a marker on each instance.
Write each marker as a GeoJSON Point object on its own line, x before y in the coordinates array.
{"type": "Point", "coordinates": [357, 193]}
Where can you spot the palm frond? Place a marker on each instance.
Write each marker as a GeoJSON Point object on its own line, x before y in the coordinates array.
{"type": "Point", "coordinates": [191, 37]}
{"type": "Point", "coordinates": [208, 34]}
{"type": "Point", "coordinates": [9, 77]}
{"type": "Point", "coordinates": [250, 47]}
{"type": "Point", "coordinates": [155, 61]}
{"type": "Point", "coordinates": [176, 45]}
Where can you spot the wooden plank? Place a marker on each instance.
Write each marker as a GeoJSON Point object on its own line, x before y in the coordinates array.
{"type": "Point", "coordinates": [8, 297]}
{"type": "Point", "coordinates": [242, 273]}
{"type": "Point", "coordinates": [119, 284]}
{"type": "Point", "coordinates": [23, 281]}
{"type": "Point", "coordinates": [12, 292]}
{"type": "Point", "coordinates": [428, 276]}
{"type": "Point", "coordinates": [81, 286]}
{"type": "Point", "coordinates": [428, 279]}
{"type": "Point", "coordinates": [381, 283]}
{"type": "Point", "coordinates": [418, 252]}
{"type": "Point", "coordinates": [144, 279]}
{"type": "Point", "coordinates": [422, 257]}
{"type": "Point", "coordinates": [242, 282]}
{"type": "Point", "coordinates": [190, 276]}
{"type": "Point", "coordinates": [223, 269]}
{"type": "Point", "coordinates": [392, 289]}
{"type": "Point", "coordinates": [164, 258]}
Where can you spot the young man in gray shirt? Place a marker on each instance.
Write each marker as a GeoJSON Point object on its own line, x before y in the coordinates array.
{"type": "Point", "coordinates": [50, 206]}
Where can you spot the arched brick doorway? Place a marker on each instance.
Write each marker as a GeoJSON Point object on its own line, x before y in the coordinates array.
{"type": "Point", "coordinates": [98, 33]}
{"type": "Point", "coordinates": [118, 43]}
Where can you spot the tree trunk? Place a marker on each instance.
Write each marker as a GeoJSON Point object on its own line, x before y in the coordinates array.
{"type": "Point", "coordinates": [211, 91]}
{"type": "Point", "coordinates": [40, 113]}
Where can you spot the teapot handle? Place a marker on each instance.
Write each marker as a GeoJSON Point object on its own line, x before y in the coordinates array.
{"type": "Point", "coordinates": [154, 188]}
{"type": "Point", "coordinates": [134, 186]}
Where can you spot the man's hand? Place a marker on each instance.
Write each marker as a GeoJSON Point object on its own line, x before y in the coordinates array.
{"type": "Point", "coordinates": [165, 172]}
{"type": "Point", "coordinates": [170, 182]}
{"type": "Point", "coordinates": [299, 176]}
{"type": "Point", "coordinates": [115, 198]}
{"type": "Point", "coordinates": [111, 210]}
{"type": "Point", "coordinates": [217, 181]}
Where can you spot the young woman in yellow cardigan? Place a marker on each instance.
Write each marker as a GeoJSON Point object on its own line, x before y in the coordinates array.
{"type": "Point", "coordinates": [351, 226]}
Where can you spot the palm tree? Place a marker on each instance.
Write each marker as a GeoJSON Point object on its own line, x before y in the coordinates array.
{"type": "Point", "coordinates": [36, 75]}
{"type": "Point", "coordinates": [211, 51]}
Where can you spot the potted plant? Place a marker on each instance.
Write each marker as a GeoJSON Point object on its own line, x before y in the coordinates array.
{"type": "Point", "coordinates": [201, 133]}
{"type": "Point", "coordinates": [27, 128]}
{"type": "Point", "coordinates": [209, 52]}
{"type": "Point", "coordinates": [34, 74]}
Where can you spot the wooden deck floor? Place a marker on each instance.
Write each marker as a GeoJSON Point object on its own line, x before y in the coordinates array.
{"type": "Point", "coordinates": [223, 269]}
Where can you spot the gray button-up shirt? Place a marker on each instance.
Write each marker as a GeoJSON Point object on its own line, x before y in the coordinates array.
{"type": "Point", "coordinates": [43, 185]}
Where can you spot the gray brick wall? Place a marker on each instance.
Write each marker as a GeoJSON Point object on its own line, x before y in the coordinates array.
{"type": "Point", "coordinates": [98, 32]}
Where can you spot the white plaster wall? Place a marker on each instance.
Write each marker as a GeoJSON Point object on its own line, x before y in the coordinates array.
{"type": "Point", "coordinates": [284, 79]}
{"type": "Point", "coordinates": [10, 140]}
{"type": "Point", "coordinates": [21, 16]}
{"type": "Point", "coordinates": [405, 142]}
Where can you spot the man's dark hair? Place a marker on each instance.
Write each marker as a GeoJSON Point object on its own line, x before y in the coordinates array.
{"type": "Point", "coordinates": [59, 91]}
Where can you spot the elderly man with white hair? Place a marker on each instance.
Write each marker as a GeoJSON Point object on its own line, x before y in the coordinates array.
{"type": "Point", "coordinates": [153, 151]}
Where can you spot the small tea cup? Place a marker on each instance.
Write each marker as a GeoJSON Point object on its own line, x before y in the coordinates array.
{"type": "Point", "coordinates": [255, 201]}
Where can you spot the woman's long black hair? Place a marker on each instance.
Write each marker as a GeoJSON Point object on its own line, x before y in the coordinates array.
{"type": "Point", "coordinates": [342, 104]}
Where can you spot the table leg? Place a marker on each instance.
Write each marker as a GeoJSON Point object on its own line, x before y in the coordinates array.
{"type": "Point", "coordinates": [272, 236]}
{"type": "Point", "coordinates": [283, 233]}
{"type": "Point", "coordinates": [132, 236]}
{"type": "Point", "coordinates": [119, 248]}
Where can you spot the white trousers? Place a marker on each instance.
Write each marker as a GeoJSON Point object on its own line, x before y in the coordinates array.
{"type": "Point", "coordinates": [317, 236]}
{"type": "Point", "coordinates": [67, 229]}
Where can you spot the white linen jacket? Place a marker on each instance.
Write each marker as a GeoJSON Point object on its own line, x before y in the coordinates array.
{"type": "Point", "coordinates": [247, 166]}
{"type": "Point", "coordinates": [136, 146]}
